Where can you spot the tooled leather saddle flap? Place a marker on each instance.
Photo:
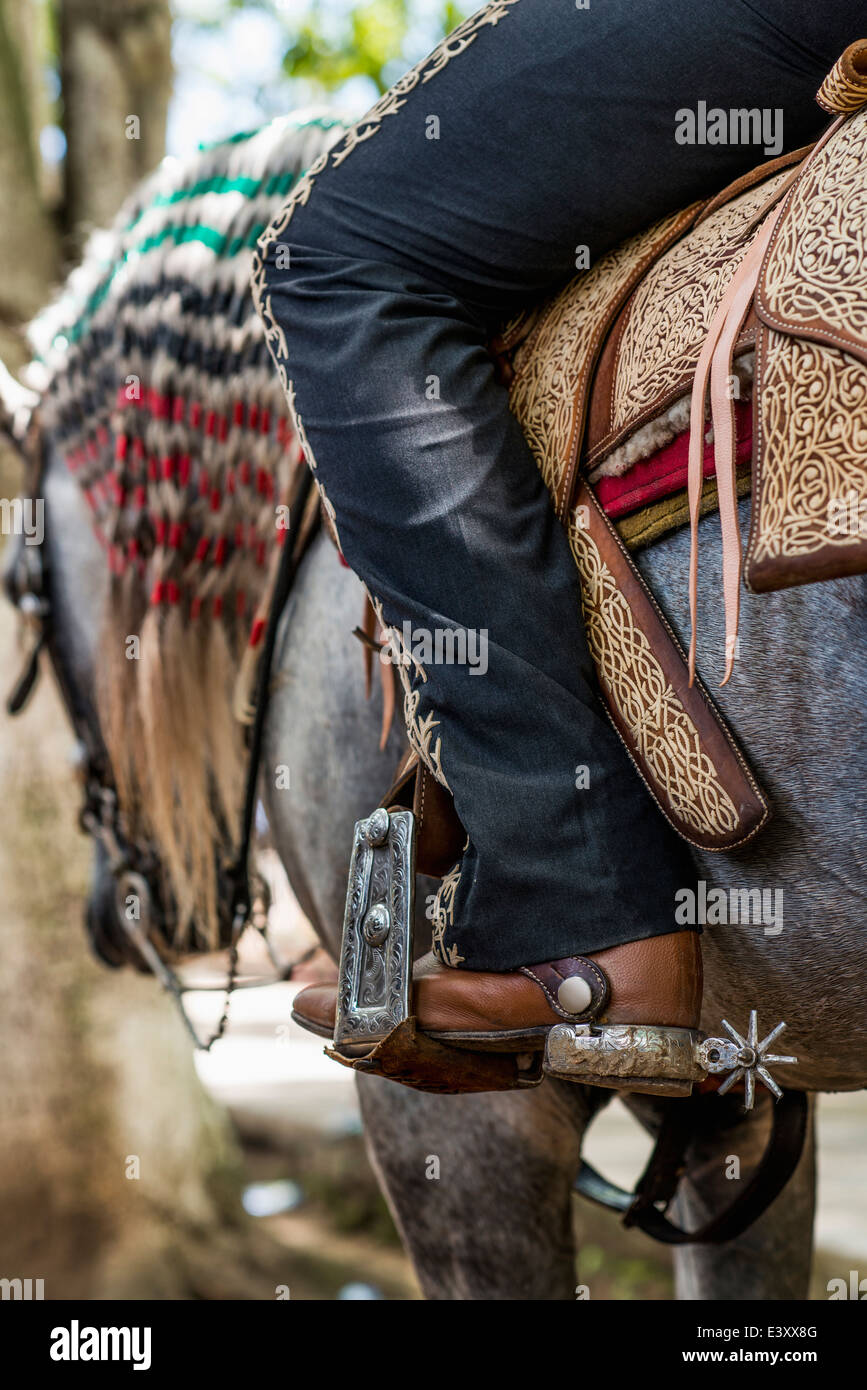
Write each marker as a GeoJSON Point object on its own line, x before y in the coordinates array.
{"type": "Point", "coordinates": [679, 743]}
{"type": "Point", "coordinates": [651, 353]}
{"type": "Point", "coordinates": [813, 281]}
{"type": "Point", "coordinates": [809, 515]}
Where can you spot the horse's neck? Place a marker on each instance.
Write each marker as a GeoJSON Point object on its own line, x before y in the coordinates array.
{"type": "Point", "coordinates": [79, 574]}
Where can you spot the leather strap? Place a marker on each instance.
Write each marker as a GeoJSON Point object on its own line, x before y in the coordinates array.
{"type": "Point", "coordinates": [659, 1180]}
{"type": "Point", "coordinates": [440, 836]}
{"type": "Point", "coordinates": [715, 362]}
{"type": "Point", "coordinates": [238, 873]}
{"type": "Point", "coordinates": [26, 682]}
{"type": "Point", "coordinates": [551, 974]}
{"type": "Point", "coordinates": [366, 634]}
{"type": "Point", "coordinates": [414, 1059]}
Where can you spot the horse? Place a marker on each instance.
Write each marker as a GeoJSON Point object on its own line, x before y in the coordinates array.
{"type": "Point", "coordinates": [498, 1224]}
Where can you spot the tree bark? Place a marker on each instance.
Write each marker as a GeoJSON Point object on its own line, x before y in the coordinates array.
{"type": "Point", "coordinates": [120, 1178]}
{"type": "Point", "coordinates": [116, 80]}
{"type": "Point", "coordinates": [28, 239]}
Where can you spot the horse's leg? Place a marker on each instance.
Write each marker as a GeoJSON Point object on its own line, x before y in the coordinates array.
{"type": "Point", "coordinates": [480, 1186]}
{"type": "Point", "coordinates": [772, 1258]}
{"type": "Point", "coordinates": [495, 1221]}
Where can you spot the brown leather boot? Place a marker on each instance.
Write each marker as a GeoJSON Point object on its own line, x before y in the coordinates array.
{"type": "Point", "coordinates": [653, 982]}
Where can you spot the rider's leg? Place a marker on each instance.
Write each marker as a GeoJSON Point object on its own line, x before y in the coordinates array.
{"type": "Point", "coordinates": [540, 128]}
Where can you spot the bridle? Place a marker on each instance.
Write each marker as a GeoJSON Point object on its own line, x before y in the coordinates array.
{"type": "Point", "coordinates": [133, 865]}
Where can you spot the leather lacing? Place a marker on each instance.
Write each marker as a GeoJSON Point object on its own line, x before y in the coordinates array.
{"type": "Point", "coordinates": [715, 362]}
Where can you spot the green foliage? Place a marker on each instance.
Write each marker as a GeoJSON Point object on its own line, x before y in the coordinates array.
{"type": "Point", "coordinates": [329, 47]}
{"type": "Point", "coordinates": [360, 45]}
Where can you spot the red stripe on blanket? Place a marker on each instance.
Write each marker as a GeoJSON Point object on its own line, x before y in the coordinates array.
{"type": "Point", "coordinates": [665, 471]}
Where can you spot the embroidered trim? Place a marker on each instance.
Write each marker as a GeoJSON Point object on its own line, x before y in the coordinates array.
{"type": "Point", "coordinates": [443, 917]}
{"type": "Point", "coordinates": [666, 737]}
{"type": "Point", "coordinates": [420, 731]}
{"type": "Point", "coordinates": [299, 427]}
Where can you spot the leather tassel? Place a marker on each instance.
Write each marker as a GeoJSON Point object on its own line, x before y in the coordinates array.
{"type": "Point", "coordinates": [715, 363]}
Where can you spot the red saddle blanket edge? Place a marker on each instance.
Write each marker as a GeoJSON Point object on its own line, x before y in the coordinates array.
{"type": "Point", "coordinates": [665, 472]}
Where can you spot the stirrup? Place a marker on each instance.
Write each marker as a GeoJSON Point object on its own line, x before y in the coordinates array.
{"type": "Point", "coordinates": [374, 1031]}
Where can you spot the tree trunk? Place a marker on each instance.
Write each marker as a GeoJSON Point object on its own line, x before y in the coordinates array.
{"type": "Point", "coordinates": [120, 1178]}
{"type": "Point", "coordinates": [28, 241]}
{"type": "Point", "coordinates": [116, 77]}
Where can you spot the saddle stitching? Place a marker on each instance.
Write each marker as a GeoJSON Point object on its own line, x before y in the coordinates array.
{"type": "Point", "coordinates": [721, 724]}
{"type": "Point", "coordinates": [758, 457]}
{"type": "Point", "coordinates": [667, 239]}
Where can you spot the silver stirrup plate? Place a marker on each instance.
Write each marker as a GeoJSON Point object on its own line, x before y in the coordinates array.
{"type": "Point", "coordinates": [373, 987]}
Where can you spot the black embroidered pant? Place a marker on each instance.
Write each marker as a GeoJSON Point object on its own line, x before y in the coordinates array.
{"type": "Point", "coordinates": [538, 128]}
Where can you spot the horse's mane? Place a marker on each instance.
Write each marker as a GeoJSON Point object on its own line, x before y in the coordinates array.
{"type": "Point", "coordinates": [159, 391]}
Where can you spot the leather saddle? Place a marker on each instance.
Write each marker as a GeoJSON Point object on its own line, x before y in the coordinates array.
{"type": "Point", "coordinates": [762, 293]}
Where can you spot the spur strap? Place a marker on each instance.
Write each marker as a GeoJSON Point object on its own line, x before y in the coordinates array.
{"type": "Point", "coordinates": [645, 1207]}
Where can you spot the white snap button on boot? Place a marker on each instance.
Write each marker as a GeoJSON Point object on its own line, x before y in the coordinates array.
{"type": "Point", "coordinates": [574, 995]}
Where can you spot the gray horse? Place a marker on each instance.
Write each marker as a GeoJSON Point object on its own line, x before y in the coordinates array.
{"type": "Point", "coordinates": [498, 1224]}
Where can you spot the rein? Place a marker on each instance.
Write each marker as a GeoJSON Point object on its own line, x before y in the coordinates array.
{"type": "Point", "coordinates": [290, 558]}
{"type": "Point", "coordinates": [134, 867]}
